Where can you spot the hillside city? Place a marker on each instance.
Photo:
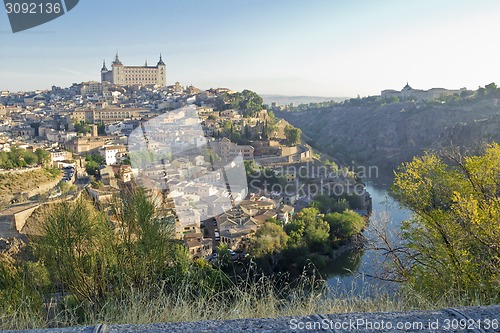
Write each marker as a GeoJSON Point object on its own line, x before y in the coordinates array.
{"type": "Point", "coordinates": [249, 166]}
{"type": "Point", "coordinates": [131, 191]}
{"type": "Point", "coordinates": [83, 139]}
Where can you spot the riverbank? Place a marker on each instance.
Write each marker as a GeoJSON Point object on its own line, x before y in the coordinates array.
{"type": "Point", "coordinates": [356, 243]}
{"type": "Point", "coordinates": [350, 270]}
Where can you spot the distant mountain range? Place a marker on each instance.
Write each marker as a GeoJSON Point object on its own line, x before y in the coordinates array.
{"type": "Point", "coordinates": [297, 100]}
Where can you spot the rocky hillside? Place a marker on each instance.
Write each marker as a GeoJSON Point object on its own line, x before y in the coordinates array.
{"type": "Point", "coordinates": [386, 135]}
{"type": "Point", "coordinates": [15, 183]}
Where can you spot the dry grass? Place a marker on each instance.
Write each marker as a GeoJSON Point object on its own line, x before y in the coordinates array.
{"type": "Point", "coordinates": [255, 300]}
{"type": "Point", "coordinates": [14, 182]}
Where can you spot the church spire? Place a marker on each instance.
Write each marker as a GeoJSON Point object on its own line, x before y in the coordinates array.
{"type": "Point", "coordinates": [104, 68]}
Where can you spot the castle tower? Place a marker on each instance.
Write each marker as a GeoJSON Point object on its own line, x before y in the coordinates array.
{"type": "Point", "coordinates": [162, 73]}
{"type": "Point", "coordinates": [104, 71]}
{"type": "Point", "coordinates": [117, 71]}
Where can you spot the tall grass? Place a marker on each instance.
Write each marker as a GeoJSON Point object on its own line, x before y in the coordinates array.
{"type": "Point", "coordinates": [252, 298]}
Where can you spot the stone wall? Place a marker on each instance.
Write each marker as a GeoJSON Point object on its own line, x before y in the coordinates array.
{"type": "Point", "coordinates": [21, 217]}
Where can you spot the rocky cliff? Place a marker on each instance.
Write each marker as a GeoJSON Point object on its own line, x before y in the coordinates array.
{"type": "Point", "coordinates": [386, 135]}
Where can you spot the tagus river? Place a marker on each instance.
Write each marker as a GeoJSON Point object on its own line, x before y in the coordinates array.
{"type": "Point", "coordinates": [349, 273]}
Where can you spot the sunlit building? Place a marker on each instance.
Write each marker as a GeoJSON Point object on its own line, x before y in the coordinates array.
{"type": "Point", "coordinates": [134, 75]}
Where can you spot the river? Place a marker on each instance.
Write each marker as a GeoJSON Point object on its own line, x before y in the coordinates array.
{"type": "Point", "coordinates": [348, 272]}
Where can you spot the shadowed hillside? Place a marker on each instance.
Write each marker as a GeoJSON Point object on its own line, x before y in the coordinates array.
{"type": "Point", "coordinates": [371, 132]}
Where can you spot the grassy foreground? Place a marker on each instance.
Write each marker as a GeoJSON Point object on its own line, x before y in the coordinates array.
{"type": "Point", "coordinates": [257, 299]}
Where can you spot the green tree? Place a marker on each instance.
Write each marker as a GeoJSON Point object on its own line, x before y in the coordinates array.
{"type": "Point", "coordinates": [64, 187]}
{"type": "Point", "coordinates": [250, 103]}
{"type": "Point", "coordinates": [269, 241]}
{"type": "Point", "coordinates": [452, 240]}
{"type": "Point", "coordinates": [145, 239]}
{"type": "Point", "coordinates": [481, 91]}
{"type": "Point", "coordinates": [30, 158]}
{"type": "Point", "coordinates": [98, 158]}
{"type": "Point", "coordinates": [92, 167]}
{"type": "Point", "coordinates": [16, 156]}
{"type": "Point", "coordinates": [323, 203]}
{"type": "Point", "coordinates": [344, 225]}
{"type": "Point", "coordinates": [292, 135]}
{"type": "Point", "coordinates": [247, 102]}
{"type": "Point", "coordinates": [142, 158]}
{"type": "Point", "coordinates": [228, 127]}
{"type": "Point", "coordinates": [75, 247]}
{"type": "Point", "coordinates": [22, 284]}
{"type": "Point", "coordinates": [43, 157]}
{"type": "Point", "coordinates": [308, 228]}
{"type": "Point", "coordinates": [127, 161]}
{"type": "Point", "coordinates": [101, 129]}
{"type": "Point", "coordinates": [332, 165]}
{"type": "Point", "coordinates": [340, 206]}
{"type": "Point", "coordinates": [224, 259]}
{"type": "Point", "coordinates": [492, 87]}
{"type": "Point", "coordinates": [82, 127]}
{"type": "Point", "coordinates": [326, 204]}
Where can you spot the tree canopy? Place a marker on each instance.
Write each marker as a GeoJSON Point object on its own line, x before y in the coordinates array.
{"type": "Point", "coordinates": [292, 135]}
{"type": "Point", "coordinates": [269, 241]}
{"type": "Point", "coordinates": [82, 127]}
{"type": "Point", "coordinates": [20, 157]}
{"type": "Point", "coordinates": [452, 240]}
{"type": "Point", "coordinates": [247, 102]}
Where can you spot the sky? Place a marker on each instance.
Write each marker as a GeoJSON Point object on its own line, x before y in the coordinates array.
{"type": "Point", "coordinates": [286, 47]}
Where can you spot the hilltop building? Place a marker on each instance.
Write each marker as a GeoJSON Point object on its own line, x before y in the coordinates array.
{"type": "Point", "coordinates": [134, 75]}
{"type": "Point", "coordinates": [408, 92]}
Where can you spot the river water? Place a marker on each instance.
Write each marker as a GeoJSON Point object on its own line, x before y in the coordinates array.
{"type": "Point", "coordinates": [348, 272]}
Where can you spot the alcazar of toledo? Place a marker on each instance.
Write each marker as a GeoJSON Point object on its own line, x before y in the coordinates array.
{"type": "Point", "coordinates": [134, 75]}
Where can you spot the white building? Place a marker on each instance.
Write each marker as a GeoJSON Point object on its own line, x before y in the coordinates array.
{"type": "Point", "coordinates": [113, 154]}
{"type": "Point", "coordinates": [408, 92]}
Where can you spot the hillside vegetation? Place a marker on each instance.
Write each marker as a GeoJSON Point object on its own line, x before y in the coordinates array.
{"type": "Point", "coordinates": [15, 182]}
{"type": "Point", "coordinates": [385, 133]}
{"type": "Point", "coordinates": [92, 264]}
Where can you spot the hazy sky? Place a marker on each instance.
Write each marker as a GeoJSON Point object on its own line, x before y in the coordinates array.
{"type": "Point", "coordinates": [289, 47]}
